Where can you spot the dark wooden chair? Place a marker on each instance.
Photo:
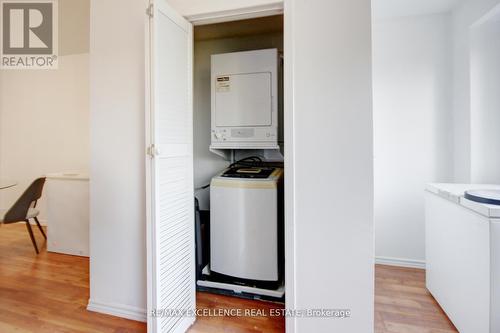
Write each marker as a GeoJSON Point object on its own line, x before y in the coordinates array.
{"type": "Point", "coordinates": [24, 209]}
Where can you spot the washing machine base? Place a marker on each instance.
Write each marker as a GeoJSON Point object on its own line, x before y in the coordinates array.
{"type": "Point", "coordinates": [241, 291]}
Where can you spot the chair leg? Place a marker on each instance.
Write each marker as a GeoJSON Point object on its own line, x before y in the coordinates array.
{"type": "Point", "coordinates": [28, 225]}
{"type": "Point", "coordinates": [40, 227]}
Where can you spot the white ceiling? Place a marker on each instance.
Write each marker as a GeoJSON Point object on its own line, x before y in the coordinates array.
{"type": "Point", "coordinates": [383, 9]}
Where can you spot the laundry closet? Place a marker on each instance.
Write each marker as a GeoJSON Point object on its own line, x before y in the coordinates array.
{"type": "Point", "coordinates": [238, 157]}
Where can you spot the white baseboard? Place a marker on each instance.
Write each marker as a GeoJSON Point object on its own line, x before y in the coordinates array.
{"type": "Point", "coordinates": [118, 310]}
{"type": "Point", "coordinates": [399, 262]}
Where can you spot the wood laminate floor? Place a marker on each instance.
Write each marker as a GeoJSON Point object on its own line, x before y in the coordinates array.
{"type": "Point", "coordinates": [49, 293]}
{"type": "Point", "coordinates": [404, 305]}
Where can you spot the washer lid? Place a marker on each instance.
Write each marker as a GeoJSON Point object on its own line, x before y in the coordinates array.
{"type": "Point", "coordinates": [489, 197]}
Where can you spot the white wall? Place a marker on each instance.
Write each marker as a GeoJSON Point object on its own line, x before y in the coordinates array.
{"type": "Point", "coordinates": [329, 106]}
{"type": "Point", "coordinates": [207, 164]}
{"type": "Point", "coordinates": [44, 124]}
{"type": "Point", "coordinates": [333, 216]}
{"type": "Point", "coordinates": [485, 102]}
{"type": "Point", "coordinates": [413, 128]}
{"type": "Point", "coordinates": [44, 114]}
{"type": "Point", "coordinates": [117, 187]}
{"type": "Point", "coordinates": [464, 16]}
{"type": "Point", "coordinates": [384, 9]}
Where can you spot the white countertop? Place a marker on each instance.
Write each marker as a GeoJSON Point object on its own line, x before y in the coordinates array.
{"type": "Point", "coordinates": [455, 193]}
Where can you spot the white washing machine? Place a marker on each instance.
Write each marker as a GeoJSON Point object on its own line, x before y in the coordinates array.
{"type": "Point", "coordinates": [246, 223]}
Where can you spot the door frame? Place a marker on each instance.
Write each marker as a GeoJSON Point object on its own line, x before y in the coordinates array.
{"type": "Point", "coordinates": [236, 14]}
{"type": "Point", "coordinates": [256, 12]}
{"type": "Point", "coordinates": [277, 8]}
{"type": "Point", "coordinates": [288, 129]}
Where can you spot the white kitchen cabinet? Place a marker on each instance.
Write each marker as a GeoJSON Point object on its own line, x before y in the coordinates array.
{"type": "Point", "coordinates": [463, 257]}
{"type": "Point", "coordinates": [68, 213]}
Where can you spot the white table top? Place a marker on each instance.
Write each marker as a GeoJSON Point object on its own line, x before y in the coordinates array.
{"type": "Point", "coordinates": [455, 193]}
{"type": "Point", "coordinates": [72, 175]}
{"type": "Point", "coordinates": [6, 183]}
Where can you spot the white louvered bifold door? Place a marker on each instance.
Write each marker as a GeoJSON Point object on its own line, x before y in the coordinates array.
{"type": "Point", "coordinates": [171, 256]}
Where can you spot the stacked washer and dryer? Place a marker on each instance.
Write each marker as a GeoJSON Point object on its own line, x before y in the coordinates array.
{"type": "Point", "coordinates": [246, 199]}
